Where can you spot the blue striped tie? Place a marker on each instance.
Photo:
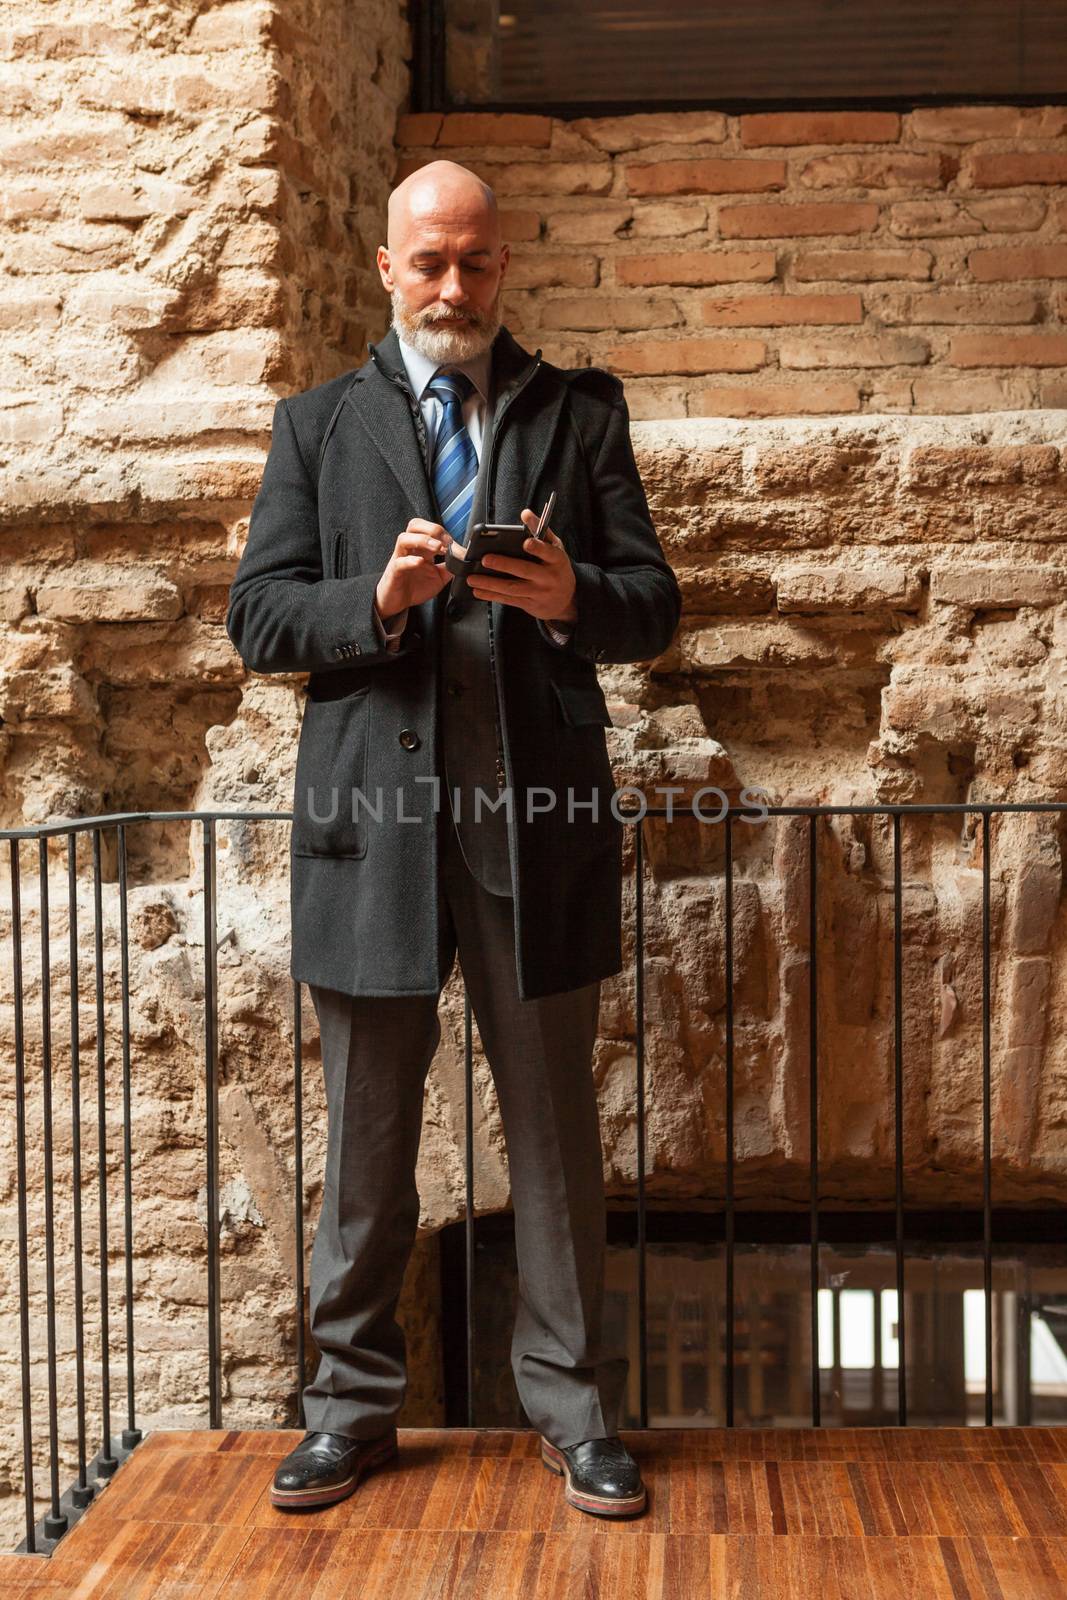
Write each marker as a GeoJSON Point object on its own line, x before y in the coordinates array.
{"type": "Point", "coordinates": [455, 460]}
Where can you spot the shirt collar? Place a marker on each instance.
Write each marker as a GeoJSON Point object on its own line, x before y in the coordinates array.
{"type": "Point", "coordinates": [421, 369]}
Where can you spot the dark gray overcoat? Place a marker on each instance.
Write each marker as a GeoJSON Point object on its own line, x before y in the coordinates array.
{"type": "Point", "coordinates": [344, 475]}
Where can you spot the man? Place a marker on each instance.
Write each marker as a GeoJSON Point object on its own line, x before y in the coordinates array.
{"type": "Point", "coordinates": [494, 699]}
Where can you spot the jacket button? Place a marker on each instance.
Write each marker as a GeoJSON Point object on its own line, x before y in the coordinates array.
{"type": "Point", "coordinates": [409, 738]}
{"type": "Point", "coordinates": [454, 686]}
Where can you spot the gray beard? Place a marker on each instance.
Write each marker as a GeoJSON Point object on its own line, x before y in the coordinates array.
{"type": "Point", "coordinates": [443, 345]}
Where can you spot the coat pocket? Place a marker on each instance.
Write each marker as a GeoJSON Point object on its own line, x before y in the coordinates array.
{"type": "Point", "coordinates": [329, 811]}
{"type": "Point", "coordinates": [582, 703]}
{"type": "Point", "coordinates": [339, 550]}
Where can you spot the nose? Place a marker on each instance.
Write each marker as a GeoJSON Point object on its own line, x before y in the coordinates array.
{"type": "Point", "coordinates": [452, 289]}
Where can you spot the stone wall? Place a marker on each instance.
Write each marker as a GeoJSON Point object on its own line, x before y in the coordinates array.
{"type": "Point", "coordinates": [874, 615]}
{"type": "Point", "coordinates": [786, 263]}
{"type": "Point", "coordinates": [193, 197]}
{"type": "Point", "coordinates": [874, 611]}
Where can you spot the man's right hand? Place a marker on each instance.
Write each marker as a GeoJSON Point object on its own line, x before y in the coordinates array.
{"type": "Point", "coordinates": [411, 574]}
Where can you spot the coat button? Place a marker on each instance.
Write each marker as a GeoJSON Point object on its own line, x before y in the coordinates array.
{"type": "Point", "coordinates": [409, 738]}
{"type": "Point", "coordinates": [454, 686]}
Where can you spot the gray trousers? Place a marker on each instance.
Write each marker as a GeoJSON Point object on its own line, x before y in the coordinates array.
{"type": "Point", "coordinates": [375, 1055]}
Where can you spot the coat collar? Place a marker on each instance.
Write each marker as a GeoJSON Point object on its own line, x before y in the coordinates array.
{"type": "Point", "coordinates": [508, 358]}
{"type": "Point", "coordinates": [422, 368]}
{"type": "Point", "coordinates": [379, 397]}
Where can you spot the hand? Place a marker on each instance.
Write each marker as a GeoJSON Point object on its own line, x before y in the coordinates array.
{"type": "Point", "coordinates": [411, 574]}
{"type": "Point", "coordinates": [544, 589]}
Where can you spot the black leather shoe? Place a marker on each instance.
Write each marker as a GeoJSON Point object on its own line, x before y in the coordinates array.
{"type": "Point", "coordinates": [326, 1467]}
{"type": "Point", "coordinates": [601, 1476]}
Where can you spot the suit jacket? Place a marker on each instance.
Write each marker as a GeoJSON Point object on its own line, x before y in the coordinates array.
{"type": "Point", "coordinates": [344, 475]}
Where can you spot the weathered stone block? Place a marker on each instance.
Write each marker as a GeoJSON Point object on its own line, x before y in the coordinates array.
{"type": "Point", "coordinates": [827, 590]}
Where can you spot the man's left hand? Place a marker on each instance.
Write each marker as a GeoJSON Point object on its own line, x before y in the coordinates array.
{"type": "Point", "coordinates": [544, 587]}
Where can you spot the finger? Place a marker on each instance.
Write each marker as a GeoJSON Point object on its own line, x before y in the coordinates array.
{"type": "Point", "coordinates": [501, 563]}
{"type": "Point", "coordinates": [544, 548]}
{"type": "Point", "coordinates": [523, 572]}
{"type": "Point", "coordinates": [538, 549]}
{"type": "Point", "coordinates": [499, 588]}
{"type": "Point", "coordinates": [408, 543]}
{"type": "Point", "coordinates": [430, 536]}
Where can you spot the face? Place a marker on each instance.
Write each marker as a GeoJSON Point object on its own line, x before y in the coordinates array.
{"type": "Point", "coordinates": [444, 280]}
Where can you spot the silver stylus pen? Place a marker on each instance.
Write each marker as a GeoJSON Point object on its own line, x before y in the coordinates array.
{"type": "Point", "coordinates": [539, 531]}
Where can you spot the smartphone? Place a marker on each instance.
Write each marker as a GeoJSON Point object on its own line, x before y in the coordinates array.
{"type": "Point", "coordinates": [488, 538]}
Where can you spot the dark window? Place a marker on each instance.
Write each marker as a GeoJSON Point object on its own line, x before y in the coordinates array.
{"type": "Point", "coordinates": [555, 55]}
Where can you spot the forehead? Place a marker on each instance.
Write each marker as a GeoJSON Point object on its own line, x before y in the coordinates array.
{"type": "Point", "coordinates": [426, 240]}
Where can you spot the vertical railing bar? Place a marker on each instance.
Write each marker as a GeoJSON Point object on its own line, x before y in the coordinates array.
{"type": "Point", "coordinates": [23, 1224]}
{"type": "Point", "coordinates": [639, 1000]}
{"type": "Point", "coordinates": [81, 1493]}
{"type": "Point", "coordinates": [1024, 1333]}
{"type": "Point", "coordinates": [813, 1113]}
{"type": "Point", "coordinates": [987, 1123]}
{"type": "Point", "coordinates": [878, 1372]}
{"type": "Point", "coordinates": [131, 1434]}
{"type": "Point", "coordinates": [55, 1522]}
{"type": "Point", "coordinates": [730, 1309]}
{"type": "Point", "coordinates": [211, 1106]}
{"type": "Point", "coordinates": [298, 1186]}
{"type": "Point", "coordinates": [106, 1463]}
{"type": "Point", "coordinates": [836, 1373]}
{"type": "Point", "coordinates": [468, 1174]}
{"type": "Point", "coordinates": [898, 1119]}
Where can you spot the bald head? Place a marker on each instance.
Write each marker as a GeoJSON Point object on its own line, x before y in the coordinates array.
{"type": "Point", "coordinates": [444, 264]}
{"type": "Point", "coordinates": [440, 195]}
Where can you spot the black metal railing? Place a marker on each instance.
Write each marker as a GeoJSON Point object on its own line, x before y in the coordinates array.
{"type": "Point", "coordinates": [64, 1508]}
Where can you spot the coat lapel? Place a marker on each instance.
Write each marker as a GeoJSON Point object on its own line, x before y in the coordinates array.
{"type": "Point", "coordinates": [379, 407]}
{"type": "Point", "coordinates": [382, 409]}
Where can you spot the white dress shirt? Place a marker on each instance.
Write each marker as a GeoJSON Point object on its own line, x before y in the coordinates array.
{"type": "Point", "coordinates": [420, 370]}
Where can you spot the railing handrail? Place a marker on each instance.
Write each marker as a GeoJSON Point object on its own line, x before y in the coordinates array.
{"type": "Point", "coordinates": [860, 809]}
{"type": "Point", "coordinates": [107, 1459]}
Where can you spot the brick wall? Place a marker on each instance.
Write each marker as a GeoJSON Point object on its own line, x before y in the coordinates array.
{"type": "Point", "coordinates": [785, 263]}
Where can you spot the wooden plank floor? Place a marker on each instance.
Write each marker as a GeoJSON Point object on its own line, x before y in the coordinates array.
{"type": "Point", "coordinates": [834, 1514]}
